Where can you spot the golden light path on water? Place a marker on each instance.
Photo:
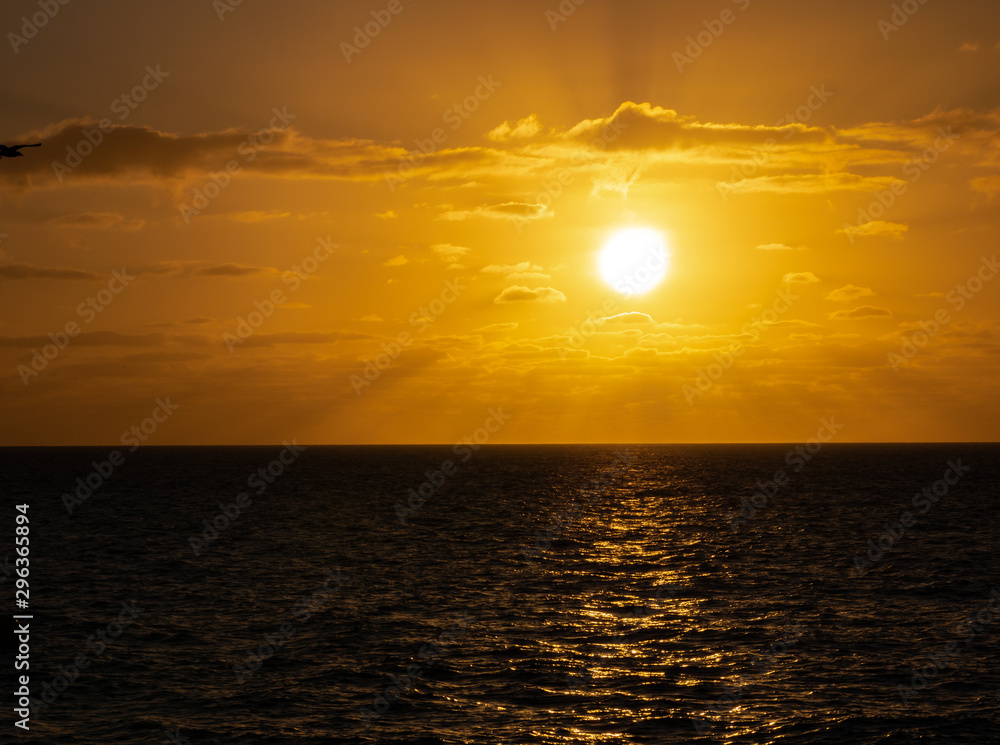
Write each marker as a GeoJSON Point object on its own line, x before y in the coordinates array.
{"type": "Point", "coordinates": [633, 646]}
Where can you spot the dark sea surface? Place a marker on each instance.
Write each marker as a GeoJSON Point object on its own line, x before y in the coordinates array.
{"type": "Point", "coordinates": [558, 594]}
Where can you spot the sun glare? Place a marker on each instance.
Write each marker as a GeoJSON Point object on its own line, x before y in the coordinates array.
{"type": "Point", "coordinates": [634, 260]}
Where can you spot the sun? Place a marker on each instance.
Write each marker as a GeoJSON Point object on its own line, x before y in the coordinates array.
{"type": "Point", "coordinates": [634, 260]}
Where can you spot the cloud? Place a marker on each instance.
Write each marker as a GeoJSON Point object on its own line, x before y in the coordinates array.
{"type": "Point", "coordinates": [988, 185]}
{"type": "Point", "coordinates": [609, 150]}
{"type": "Point", "coordinates": [135, 151]}
{"type": "Point", "coordinates": [524, 270]}
{"type": "Point", "coordinates": [497, 327]}
{"type": "Point", "coordinates": [450, 253]}
{"type": "Point", "coordinates": [98, 220]}
{"type": "Point", "coordinates": [396, 261]}
{"type": "Point", "coordinates": [777, 247]}
{"type": "Point", "coordinates": [225, 270]}
{"type": "Point", "coordinates": [195, 321]}
{"type": "Point", "coordinates": [528, 275]}
{"type": "Point", "coordinates": [631, 318]}
{"type": "Point", "coordinates": [189, 269]}
{"type": "Point", "coordinates": [370, 318]}
{"type": "Point", "coordinates": [302, 337]}
{"type": "Point", "coordinates": [524, 128]}
{"type": "Point", "coordinates": [876, 228]}
{"type": "Point", "coordinates": [848, 293]}
{"type": "Point", "coordinates": [144, 154]}
{"type": "Point", "coordinates": [865, 311]}
{"type": "Point", "coordinates": [518, 294]}
{"type": "Point", "coordinates": [802, 278]}
{"type": "Point", "coordinates": [818, 183]}
{"type": "Point", "coordinates": [617, 177]}
{"type": "Point", "coordinates": [969, 46]}
{"type": "Point", "coordinates": [390, 215]}
{"type": "Point", "coordinates": [159, 357]}
{"type": "Point", "coordinates": [253, 216]}
{"type": "Point", "coordinates": [505, 211]}
{"type": "Point", "coordinates": [641, 126]}
{"type": "Point", "coordinates": [29, 271]}
{"type": "Point", "coordinates": [94, 339]}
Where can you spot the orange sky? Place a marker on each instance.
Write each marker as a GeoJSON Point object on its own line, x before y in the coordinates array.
{"type": "Point", "coordinates": [826, 177]}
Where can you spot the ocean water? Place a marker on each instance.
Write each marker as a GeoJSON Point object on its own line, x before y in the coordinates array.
{"type": "Point", "coordinates": [559, 594]}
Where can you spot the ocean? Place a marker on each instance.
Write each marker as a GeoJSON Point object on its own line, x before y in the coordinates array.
{"type": "Point", "coordinates": [827, 593]}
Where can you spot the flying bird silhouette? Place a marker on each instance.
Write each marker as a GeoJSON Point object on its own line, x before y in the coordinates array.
{"type": "Point", "coordinates": [13, 151]}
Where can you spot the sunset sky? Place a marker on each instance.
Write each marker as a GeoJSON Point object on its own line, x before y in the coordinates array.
{"type": "Point", "coordinates": [825, 177]}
